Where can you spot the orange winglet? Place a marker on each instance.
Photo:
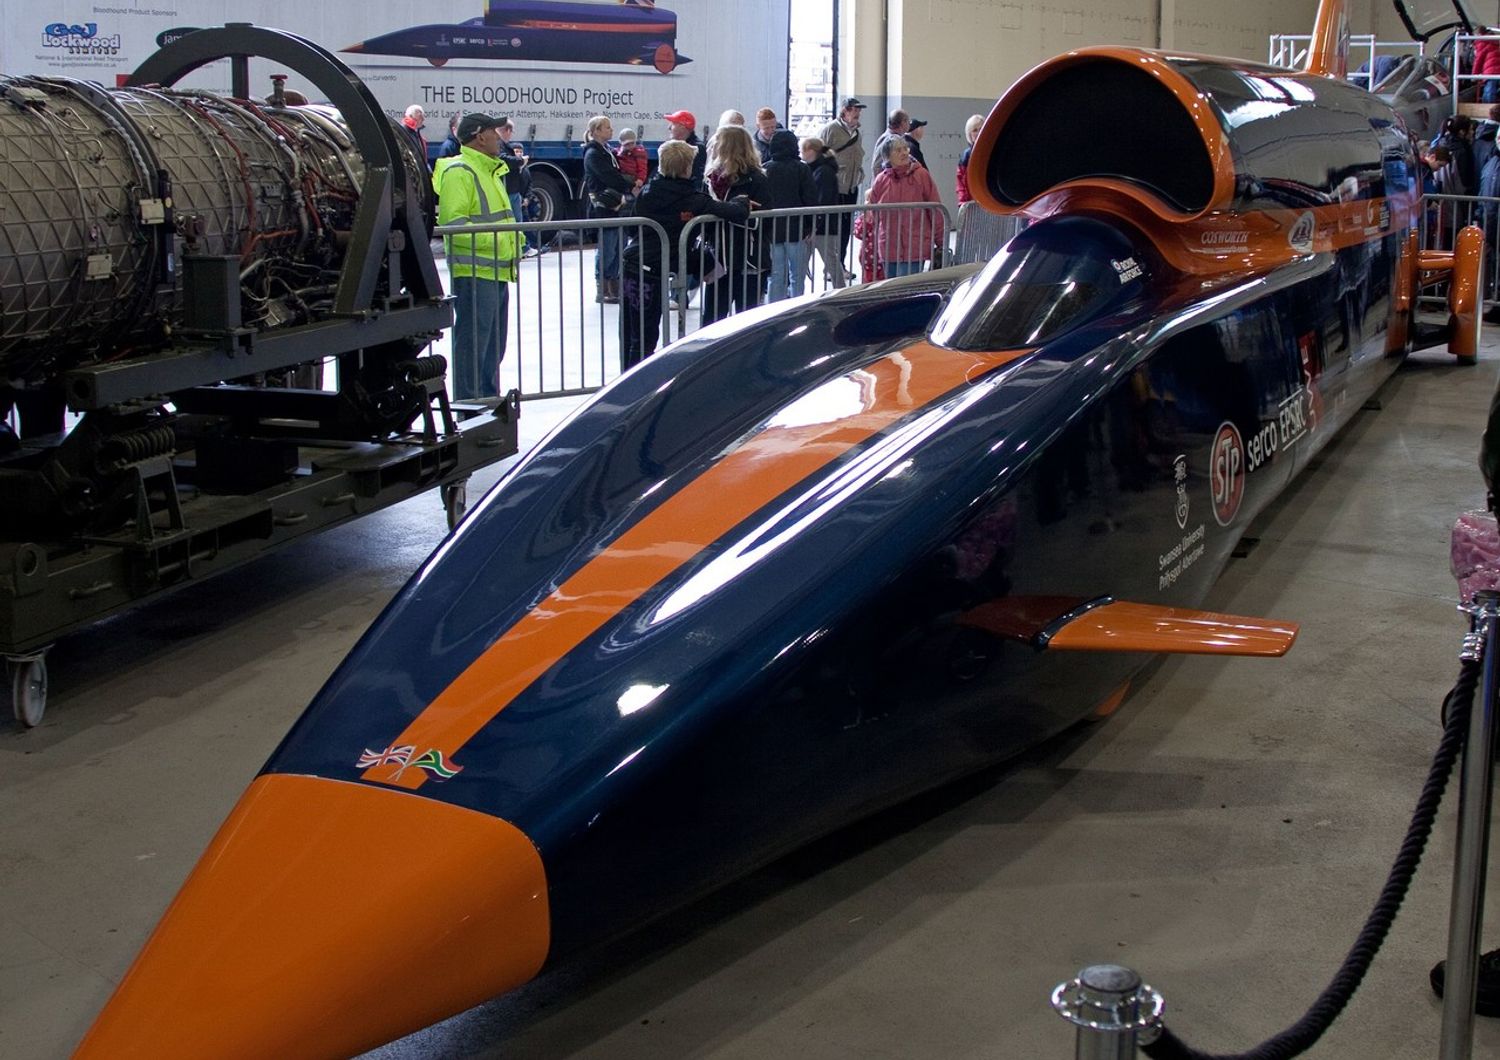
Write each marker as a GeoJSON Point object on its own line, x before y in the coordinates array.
{"type": "Point", "coordinates": [1125, 626]}
{"type": "Point", "coordinates": [1103, 624]}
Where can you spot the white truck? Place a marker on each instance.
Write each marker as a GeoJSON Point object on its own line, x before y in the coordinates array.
{"type": "Point", "coordinates": [549, 65]}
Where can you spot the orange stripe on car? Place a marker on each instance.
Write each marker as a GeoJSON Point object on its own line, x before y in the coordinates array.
{"type": "Point", "coordinates": [764, 467]}
{"type": "Point", "coordinates": [664, 28]}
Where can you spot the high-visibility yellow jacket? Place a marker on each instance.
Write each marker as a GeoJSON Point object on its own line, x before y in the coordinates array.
{"type": "Point", "coordinates": [471, 190]}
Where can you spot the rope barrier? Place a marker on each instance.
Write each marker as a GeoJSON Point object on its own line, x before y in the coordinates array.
{"type": "Point", "coordinates": [1304, 1034]}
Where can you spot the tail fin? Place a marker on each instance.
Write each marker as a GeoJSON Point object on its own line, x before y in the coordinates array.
{"type": "Point", "coordinates": [1329, 53]}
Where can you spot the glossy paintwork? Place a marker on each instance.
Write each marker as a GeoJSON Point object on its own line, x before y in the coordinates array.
{"type": "Point", "coordinates": [298, 935]}
{"type": "Point", "coordinates": [911, 484]}
{"type": "Point", "coordinates": [1068, 624]}
{"type": "Point", "coordinates": [732, 603]}
{"type": "Point", "coordinates": [1301, 163]}
{"type": "Point", "coordinates": [1466, 292]}
{"type": "Point", "coordinates": [1124, 626]}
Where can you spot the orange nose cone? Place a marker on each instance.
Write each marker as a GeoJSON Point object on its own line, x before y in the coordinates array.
{"type": "Point", "coordinates": [327, 918]}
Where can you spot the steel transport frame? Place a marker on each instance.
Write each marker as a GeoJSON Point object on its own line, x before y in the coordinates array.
{"type": "Point", "coordinates": [346, 463]}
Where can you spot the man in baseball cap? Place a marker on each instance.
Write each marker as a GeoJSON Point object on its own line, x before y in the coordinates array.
{"type": "Point", "coordinates": [841, 136]}
{"type": "Point", "coordinates": [472, 190]}
{"type": "Point", "coordinates": [682, 125]}
{"type": "Point", "coordinates": [473, 124]}
{"type": "Point", "coordinates": [914, 139]}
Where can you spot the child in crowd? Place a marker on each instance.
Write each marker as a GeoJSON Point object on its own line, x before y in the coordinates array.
{"type": "Point", "coordinates": [632, 156]}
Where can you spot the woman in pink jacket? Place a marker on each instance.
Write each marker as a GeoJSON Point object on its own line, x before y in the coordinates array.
{"type": "Point", "coordinates": [901, 240]}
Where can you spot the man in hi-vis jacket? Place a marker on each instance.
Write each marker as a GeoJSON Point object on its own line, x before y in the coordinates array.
{"type": "Point", "coordinates": [471, 190]}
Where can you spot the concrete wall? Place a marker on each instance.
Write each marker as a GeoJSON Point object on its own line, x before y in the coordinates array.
{"type": "Point", "coordinates": [943, 60]}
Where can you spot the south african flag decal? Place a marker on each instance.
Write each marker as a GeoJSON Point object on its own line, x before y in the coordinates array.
{"type": "Point", "coordinates": [432, 761]}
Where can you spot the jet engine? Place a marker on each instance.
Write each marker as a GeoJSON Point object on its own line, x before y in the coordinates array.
{"type": "Point", "coordinates": [112, 196]}
{"type": "Point", "coordinates": [177, 268]}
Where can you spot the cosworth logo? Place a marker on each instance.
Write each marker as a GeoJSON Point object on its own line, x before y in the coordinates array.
{"type": "Point", "coordinates": [1229, 239]}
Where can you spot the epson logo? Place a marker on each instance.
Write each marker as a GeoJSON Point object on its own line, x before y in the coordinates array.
{"type": "Point", "coordinates": [1232, 240]}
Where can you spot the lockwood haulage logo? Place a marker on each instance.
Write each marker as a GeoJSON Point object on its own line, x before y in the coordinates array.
{"type": "Point", "coordinates": [79, 39]}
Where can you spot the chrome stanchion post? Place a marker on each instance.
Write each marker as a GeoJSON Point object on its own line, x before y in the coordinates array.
{"type": "Point", "coordinates": [1465, 916]}
{"type": "Point", "coordinates": [1113, 1010]}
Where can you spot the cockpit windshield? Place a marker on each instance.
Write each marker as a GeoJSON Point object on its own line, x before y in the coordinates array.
{"type": "Point", "coordinates": [1051, 278]}
{"type": "Point", "coordinates": [1426, 19]}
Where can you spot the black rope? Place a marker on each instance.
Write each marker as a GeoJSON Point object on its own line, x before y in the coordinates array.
{"type": "Point", "coordinates": [1304, 1034]}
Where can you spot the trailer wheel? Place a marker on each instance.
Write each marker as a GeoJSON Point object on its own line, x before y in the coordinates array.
{"type": "Point", "coordinates": [28, 690]}
{"type": "Point", "coordinates": [548, 200]}
{"type": "Point", "coordinates": [455, 500]}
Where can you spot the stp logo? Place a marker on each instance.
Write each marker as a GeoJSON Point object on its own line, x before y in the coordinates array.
{"type": "Point", "coordinates": [1227, 473]}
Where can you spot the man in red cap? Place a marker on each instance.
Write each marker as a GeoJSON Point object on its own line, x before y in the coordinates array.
{"type": "Point", "coordinates": [681, 125]}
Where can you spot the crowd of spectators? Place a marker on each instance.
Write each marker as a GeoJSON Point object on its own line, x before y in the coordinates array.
{"type": "Point", "coordinates": [743, 167]}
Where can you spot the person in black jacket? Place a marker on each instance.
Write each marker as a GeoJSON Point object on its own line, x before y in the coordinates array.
{"type": "Point", "coordinates": [791, 185]}
{"type": "Point", "coordinates": [450, 147]}
{"type": "Point", "coordinates": [734, 169]}
{"type": "Point", "coordinates": [914, 140]}
{"type": "Point", "coordinates": [608, 190]}
{"type": "Point", "coordinates": [672, 199]}
{"type": "Point", "coordinates": [517, 177]}
{"type": "Point", "coordinates": [824, 165]}
{"type": "Point", "coordinates": [766, 127]}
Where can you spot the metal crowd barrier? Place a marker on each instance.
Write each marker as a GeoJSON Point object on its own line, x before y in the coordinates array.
{"type": "Point", "coordinates": [1442, 217]}
{"type": "Point", "coordinates": [781, 253]}
{"type": "Point", "coordinates": [981, 234]}
{"type": "Point", "coordinates": [565, 331]}
{"type": "Point", "coordinates": [564, 324]}
{"type": "Point", "coordinates": [1456, 71]}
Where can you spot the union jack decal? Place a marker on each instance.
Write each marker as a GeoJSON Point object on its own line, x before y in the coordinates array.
{"type": "Point", "coordinates": [391, 756]}
{"type": "Point", "coordinates": [430, 761]}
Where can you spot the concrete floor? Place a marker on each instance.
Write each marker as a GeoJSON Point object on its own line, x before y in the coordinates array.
{"type": "Point", "coordinates": [1225, 832]}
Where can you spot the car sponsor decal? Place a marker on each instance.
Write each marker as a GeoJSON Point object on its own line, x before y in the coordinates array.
{"type": "Point", "coordinates": [1300, 238]}
{"type": "Point", "coordinates": [1179, 478]}
{"type": "Point", "coordinates": [1174, 562]}
{"type": "Point", "coordinates": [1227, 473]}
